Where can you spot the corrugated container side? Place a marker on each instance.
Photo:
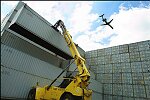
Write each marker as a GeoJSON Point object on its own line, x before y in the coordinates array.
{"type": "Point", "coordinates": [95, 86]}
{"type": "Point", "coordinates": [100, 77]}
{"type": "Point", "coordinates": [117, 77]}
{"type": "Point", "coordinates": [108, 51]}
{"type": "Point", "coordinates": [16, 84]}
{"type": "Point", "coordinates": [144, 45]}
{"type": "Point", "coordinates": [128, 98]}
{"type": "Point", "coordinates": [123, 48]}
{"type": "Point", "coordinates": [139, 91]}
{"type": "Point", "coordinates": [126, 78]}
{"type": "Point", "coordinates": [125, 67]}
{"type": "Point", "coordinates": [100, 52]}
{"type": "Point", "coordinates": [115, 50]}
{"type": "Point", "coordinates": [116, 58]}
{"type": "Point", "coordinates": [117, 97]}
{"type": "Point", "coordinates": [108, 59]}
{"type": "Point", "coordinates": [107, 78]}
{"type": "Point", "coordinates": [148, 91]}
{"type": "Point", "coordinates": [136, 67]}
{"type": "Point", "coordinates": [145, 55]}
{"type": "Point", "coordinates": [128, 90]}
{"type": "Point", "coordinates": [100, 69]}
{"type": "Point", "coordinates": [101, 60]}
{"type": "Point", "coordinates": [146, 78]}
{"type": "Point", "coordinates": [107, 97]}
{"type": "Point", "coordinates": [116, 68]}
{"type": "Point", "coordinates": [108, 68]}
{"type": "Point", "coordinates": [39, 27]}
{"type": "Point", "coordinates": [10, 38]}
{"type": "Point", "coordinates": [107, 88]}
{"type": "Point", "coordinates": [96, 96]}
{"type": "Point", "coordinates": [137, 78]}
{"type": "Point", "coordinates": [117, 89]}
{"type": "Point", "coordinates": [133, 47]}
{"type": "Point", "coordinates": [7, 20]}
{"type": "Point", "coordinates": [146, 66]}
{"type": "Point", "coordinates": [124, 57]}
{"type": "Point", "coordinates": [135, 56]}
{"type": "Point", "coordinates": [20, 61]}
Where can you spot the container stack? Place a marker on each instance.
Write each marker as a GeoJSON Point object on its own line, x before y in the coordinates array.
{"type": "Point", "coordinates": [32, 51]}
{"type": "Point", "coordinates": [123, 70]}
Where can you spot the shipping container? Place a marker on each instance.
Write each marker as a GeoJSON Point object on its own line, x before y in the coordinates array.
{"type": "Point", "coordinates": [133, 47]}
{"type": "Point", "coordinates": [138, 78]}
{"type": "Point", "coordinates": [136, 67]}
{"type": "Point", "coordinates": [126, 78]}
{"type": "Point", "coordinates": [108, 51]}
{"type": "Point", "coordinates": [145, 55]}
{"type": "Point", "coordinates": [117, 89]}
{"type": "Point", "coordinates": [125, 67]}
{"type": "Point", "coordinates": [115, 97]}
{"type": "Point", "coordinates": [16, 84]}
{"type": "Point", "coordinates": [39, 30]}
{"type": "Point", "coordinates": [148, 91]}
{"type": "Point", "coordinates": [116, 58]}
{"type": "Point", "coordinates": [107, 78]}
{"type": "Point", "coordinates": [100, 60]}
{"type": "Point", "coordinates": [146, 78]}
{"type": "Point", "coordinates": [117, 77]}
{"type": "Point", "coordinates": [135, 57]}
{"type": "Point", "coordinates": [100, 69]}
{"type": "Point", "coordinates": [146, 66]}
{"type": "Point", "coordinates": [107, 88]}
{"type": "Point", "coordinates": [144, 45]}
{"type": "Point", "coordinates": [20, 43]}
{"type": "Point", "coordinates": [108, 68]}
{"type": "Point", "coordinates": [123, 48]}
{"type": "Point", "coordinates": [124, 57]}
{"type": "Point", "coordinates": [128, 90]}
{"type": "Point", "coordinates": [107, 97]}
{"type": "Point", "coordinates": [108, 59]}
{"type": "Point", "coordinates": [117, 68]}
{"type": "Point", "coordinates": [100, 52]}
{"type": "Point", "coordinates": [115, 50]}
{"type": "Point", "coordinates": [139, 91]}
{"type": "Point", "coordinates": [128, 98]}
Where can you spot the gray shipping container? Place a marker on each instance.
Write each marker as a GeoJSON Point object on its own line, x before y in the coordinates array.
{"type": "Point", "coordinates": [23, 20]}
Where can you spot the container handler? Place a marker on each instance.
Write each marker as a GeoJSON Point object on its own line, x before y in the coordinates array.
{"type": "Point", "coordinates": [72, 88]}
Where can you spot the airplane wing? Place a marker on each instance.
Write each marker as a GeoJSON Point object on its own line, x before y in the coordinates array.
{"type": "Point", "coordinates": [110, 21]}
{"type": "Point", "coordinates": [103, 24]}
{"type": "Point", "coordinates": [110, 26]}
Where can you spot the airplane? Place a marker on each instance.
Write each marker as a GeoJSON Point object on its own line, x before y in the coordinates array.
{"type": "Point", "coordinates": [105, 20]}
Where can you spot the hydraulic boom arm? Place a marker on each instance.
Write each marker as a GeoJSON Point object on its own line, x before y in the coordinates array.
{"type": "Point", "coordinates": [79, 61]}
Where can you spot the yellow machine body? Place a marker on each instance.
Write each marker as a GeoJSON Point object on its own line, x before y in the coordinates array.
{"type": "Point", "coordinates": [78, 86]}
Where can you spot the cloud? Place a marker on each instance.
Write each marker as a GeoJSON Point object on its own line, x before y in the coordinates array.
{"type": "Point", "coordinates": [130, 25]}
{"type": "Point", "coordinates": [81, 18]}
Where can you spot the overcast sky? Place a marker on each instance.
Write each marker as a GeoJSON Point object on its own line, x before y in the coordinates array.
{"type": "Point", "coordinates": [131, 20]}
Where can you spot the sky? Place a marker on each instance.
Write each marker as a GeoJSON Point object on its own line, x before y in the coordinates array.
{"type": "Point", "coordinates": [131, 20]}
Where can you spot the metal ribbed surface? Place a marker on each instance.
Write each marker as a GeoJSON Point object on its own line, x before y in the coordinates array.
{"type": "Point", "coordinates": [20, 43]}
{"type": "Point", "coordinates": [33, 22]}
{"type": "Point", "coordinates": [124, 70]}
{"type": "Point", "coordinates": [26, 63]}
{"type": "Point", "coordinates": [16, 84]}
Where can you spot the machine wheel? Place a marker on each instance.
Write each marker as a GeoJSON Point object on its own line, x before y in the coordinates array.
{"type": "Point", "coordinates": [31, 95]}
{"type": "Point", "coordinates": [67, 96]}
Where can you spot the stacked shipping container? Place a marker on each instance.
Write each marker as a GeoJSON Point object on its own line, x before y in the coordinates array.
{"type": "Point", "coordinates": [25, 62]}
{"type": "Point", "coordinates": [123, 70]}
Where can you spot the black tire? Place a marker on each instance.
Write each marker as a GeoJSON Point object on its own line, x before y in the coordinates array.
{"type": "Point", "coordinates": [67, 96]}
{"type": "Point", "coordinates": [31, 95]}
